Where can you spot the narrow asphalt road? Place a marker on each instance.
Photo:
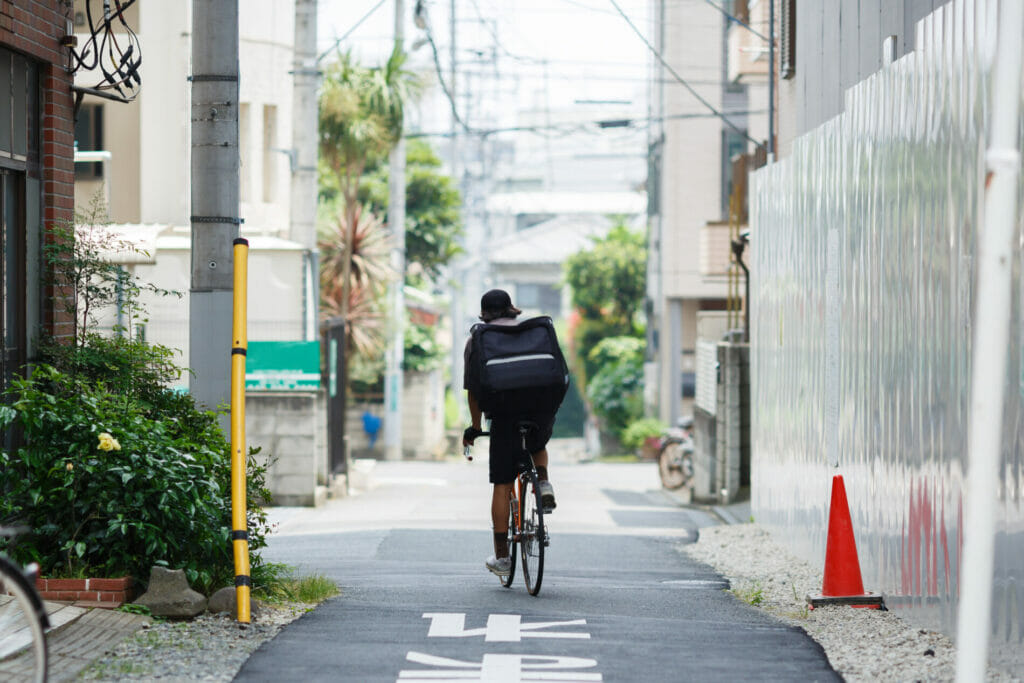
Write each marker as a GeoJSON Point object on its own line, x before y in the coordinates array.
{"type": "Point", "coordinates": [619, 602]}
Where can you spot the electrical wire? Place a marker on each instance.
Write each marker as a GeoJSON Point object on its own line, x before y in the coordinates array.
{"type": "Point", "coordinates": [737, 20]}
{"type": "Point", "coordinates": [102, 50]}
{"type": "Point", "coordinates": [350, 31]}
{"type": "Point", "coordinates": [563, 129]}
{"type": "Point", "coordinates": [679, 78]}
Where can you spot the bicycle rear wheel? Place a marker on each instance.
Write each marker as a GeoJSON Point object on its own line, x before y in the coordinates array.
{"type": "Point", "coordinates": [513, 525]}
{"type": "Point", "coordinates": [532, 538]}
{"type": "Point", "coordinates": [22, 622]}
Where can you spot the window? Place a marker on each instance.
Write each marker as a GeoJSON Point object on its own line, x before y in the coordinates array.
{"type": "Point", "coordinates": [245, 184]}
{"type": "Point", "coordinates": [544, 298]}
{"type": "Point", "coordinates": [89, 138]}
{"type": "Point", "coordinates": [733, 144]}
{"type": "Point", "coordinates": [12, 275]}
{"type": "Point", "coordinates": [787, 40]}
{"type": "Point", "coordinates": [270, 153]}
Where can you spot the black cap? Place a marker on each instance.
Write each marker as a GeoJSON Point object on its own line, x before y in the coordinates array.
{"type": "Point", "coordinates": [496, 300]}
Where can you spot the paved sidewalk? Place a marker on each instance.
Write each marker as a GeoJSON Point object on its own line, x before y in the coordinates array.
{"type": "Point", "coordinates": [78, 637]}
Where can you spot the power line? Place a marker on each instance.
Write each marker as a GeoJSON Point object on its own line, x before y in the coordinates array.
{"type": "Point", "coordinates": [587, 126]}
{"type": "Point", "coordinates": [679, 78]}
{"type": "Point", "coordinates": [737, 20]}
{"type": "Point", "coordinates": [349, 32]}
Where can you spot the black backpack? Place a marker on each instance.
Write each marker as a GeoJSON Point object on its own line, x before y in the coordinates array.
{"type": "Point", "coordinates": [517, 369]}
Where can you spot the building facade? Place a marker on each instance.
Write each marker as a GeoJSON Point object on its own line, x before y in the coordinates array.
{"type": "Point", "coordinates": [145, 178]}
{"type": "Point", "coordinates": [704, 54]}
{"type": "Point", "coordinates": [36, 181]}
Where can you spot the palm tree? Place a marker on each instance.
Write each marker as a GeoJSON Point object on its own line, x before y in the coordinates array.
{"type": "Point", "coordinates": [361, 114]}
{"type": "Point", "coordinates": [369, 275]}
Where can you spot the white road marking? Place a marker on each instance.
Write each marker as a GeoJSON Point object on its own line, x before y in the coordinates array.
{"type": "Point", "coordinates": [500, 669]}
{"type": "Point", "coordinates": [501, 628]}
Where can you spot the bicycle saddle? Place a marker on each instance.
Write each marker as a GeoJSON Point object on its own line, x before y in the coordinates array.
{"type": "Point", "coordinates": [526, 426]}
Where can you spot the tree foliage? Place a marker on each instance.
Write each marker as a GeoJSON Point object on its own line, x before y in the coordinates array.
{"type": "Point", "coordinates": [433, 225]}
{"type": "Point", "coordinates": [609, 281]}
{"type": "Point", "coordinates": [360, 119]}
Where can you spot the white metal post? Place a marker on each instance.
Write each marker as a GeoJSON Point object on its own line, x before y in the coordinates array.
{"type": "Point", "coordinates": [396, 225]}
{"type": "Point", "coordinates": [991, 342]}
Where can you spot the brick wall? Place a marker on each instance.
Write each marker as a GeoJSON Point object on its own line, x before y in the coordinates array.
{"type": "Point", "coordinates": [34, 28]}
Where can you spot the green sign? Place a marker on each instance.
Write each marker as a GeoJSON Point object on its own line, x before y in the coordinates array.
{"type": "Point", "coordinates": [282, 366]}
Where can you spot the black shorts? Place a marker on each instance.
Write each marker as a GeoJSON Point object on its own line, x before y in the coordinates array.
{"type": "Point", "coordinates": [507, 445]}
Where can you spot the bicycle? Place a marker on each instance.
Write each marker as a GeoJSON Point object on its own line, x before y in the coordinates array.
{"type": "Point", "coordinates": [525, 518]}
{"type": "Point", "coordinates": [675, 456]}
{"type": "Point", "coordinates": [23, 618]}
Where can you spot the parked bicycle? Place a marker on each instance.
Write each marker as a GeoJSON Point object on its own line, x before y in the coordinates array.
{"type": "Point", "coordinates": [675, 456]}
{"type": "Point", "coordinates": [23, 618]}
{"type": "Point", "coordinates": [525, 518]}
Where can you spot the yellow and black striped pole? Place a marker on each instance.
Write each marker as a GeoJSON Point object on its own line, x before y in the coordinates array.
{"type": "Point", "coordinates": [239, 345]}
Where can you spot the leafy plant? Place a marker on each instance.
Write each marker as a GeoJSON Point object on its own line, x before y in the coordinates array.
{"type": "Point", "coordinates": [433, 224]}
{"type": "Point", "coordinates": [111, 470]}
{"type": "Point", "coordinates": [616, 391]}
{"type": "Point", "coordinates": [87, 280]}
{"type": "Point", "coordinates": [422, 350]}
{"type": "Point", "coordinates": [110, 486]}
{"type": "Point", "coordinates": [640, 430]}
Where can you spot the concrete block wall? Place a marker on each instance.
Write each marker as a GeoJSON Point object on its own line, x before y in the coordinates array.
{"type": "Point", "coordinates": [422, 419]}
{"type": "Point", "coordinates": [292, 428]}
{"type": "Point", "coordinates": [732, 453]}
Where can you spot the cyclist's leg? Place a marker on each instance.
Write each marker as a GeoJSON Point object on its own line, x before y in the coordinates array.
{"type": "Point", "coordinates": [537, 443]}
{"type": "Point", "coordinates": [499, 517]}
{"type": "Point", "coordinates": [503, 452]}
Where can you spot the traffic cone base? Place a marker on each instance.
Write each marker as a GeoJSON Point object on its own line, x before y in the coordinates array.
{"type": "Point", "coordinates": [842, 583]}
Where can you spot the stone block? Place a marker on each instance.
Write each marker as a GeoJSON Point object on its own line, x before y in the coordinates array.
{"type": "Point", "coordinates": [226, 600]}
{"type": "Point", "coordinates": [169, 595]}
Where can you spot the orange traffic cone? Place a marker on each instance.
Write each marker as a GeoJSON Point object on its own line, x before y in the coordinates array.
{"type": "Point", "coordinates": [842, 584]}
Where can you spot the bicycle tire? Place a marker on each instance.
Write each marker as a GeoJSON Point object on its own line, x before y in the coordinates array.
{"type": "Point", "coordinates": [513, 533]}
{"type": "Point", "coordinates": [532, 538]}
{"type": "Point", "coordinates": [672, 476]}
{"type": "Point", "coordinates": [24, 611]}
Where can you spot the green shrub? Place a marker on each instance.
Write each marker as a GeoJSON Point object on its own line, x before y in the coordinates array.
{"type": "Point", "coordinates": [639, 431]}
{"type": "Point", "coordinates": [616, 390]}
{"type": "Point", "coordinates": [155, 491]}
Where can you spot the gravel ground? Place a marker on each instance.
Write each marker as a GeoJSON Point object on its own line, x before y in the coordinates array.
{"type": "Point", "coordinates": [861, 644]}
{"type": "Point", "coordinates": [211, 647]}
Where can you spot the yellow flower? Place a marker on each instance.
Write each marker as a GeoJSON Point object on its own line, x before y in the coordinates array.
{"type": "Point", "coordinates": [70, 466]}
{"type": "Point", "coordinates": [108, 443]}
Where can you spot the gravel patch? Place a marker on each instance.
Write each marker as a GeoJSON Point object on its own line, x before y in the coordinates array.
{"type": "Point", "coordinates": [211, 647]}
{"type": "Point", "coordinates": [861, 644]}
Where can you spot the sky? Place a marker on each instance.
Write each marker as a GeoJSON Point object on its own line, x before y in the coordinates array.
{"type": "Point", "coordinates": [505, 49]}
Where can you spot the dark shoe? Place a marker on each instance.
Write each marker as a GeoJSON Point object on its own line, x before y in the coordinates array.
{"type": "Point", "coordinates": [547, 495]}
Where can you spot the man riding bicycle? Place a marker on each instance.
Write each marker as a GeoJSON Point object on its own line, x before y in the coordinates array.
{"type": "Point", "coordinates": [506, 442]}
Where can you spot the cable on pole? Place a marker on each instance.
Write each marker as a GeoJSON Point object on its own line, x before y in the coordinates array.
{"type": "Point", "coordinates": [681, 80]}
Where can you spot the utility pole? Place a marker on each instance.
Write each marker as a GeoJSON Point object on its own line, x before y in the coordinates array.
{"type": "Point", "coordinates": [303, 156]}
{"type": "Point", "coordinates": [458, 294]}
{"type": "Point", "coordinates": [396, 224]}
{"type": "Point", "coordinates": [215, 208]}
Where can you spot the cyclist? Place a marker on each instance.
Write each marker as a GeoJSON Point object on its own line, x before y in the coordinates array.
{"type": "Point", "coordinates": [506, 445]}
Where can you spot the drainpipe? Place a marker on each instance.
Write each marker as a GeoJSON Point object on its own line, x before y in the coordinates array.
{"type": "Point", "coordinates": [738, 245]}
{"type": "Point", "coordinates": [991, 341]}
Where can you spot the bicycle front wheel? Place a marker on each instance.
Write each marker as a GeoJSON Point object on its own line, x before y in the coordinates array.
{"type": "Point", "coordinates": [533, 536]}
{"type": "Point", "coordinates": [24, 645]}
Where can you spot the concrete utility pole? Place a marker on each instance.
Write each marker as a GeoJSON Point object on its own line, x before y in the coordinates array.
{"type": "Point", "coordinates": [396, 224]}
{"type": "Point", "coordinates": [304, 156]}
{"type": "Point", "coordinates": [215, 208]}
{"type": "Point", "coordinates": [458, 293]}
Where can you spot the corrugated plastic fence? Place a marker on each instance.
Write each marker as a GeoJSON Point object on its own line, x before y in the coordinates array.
{"type": "Point", "coordinates": [863, 275]}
